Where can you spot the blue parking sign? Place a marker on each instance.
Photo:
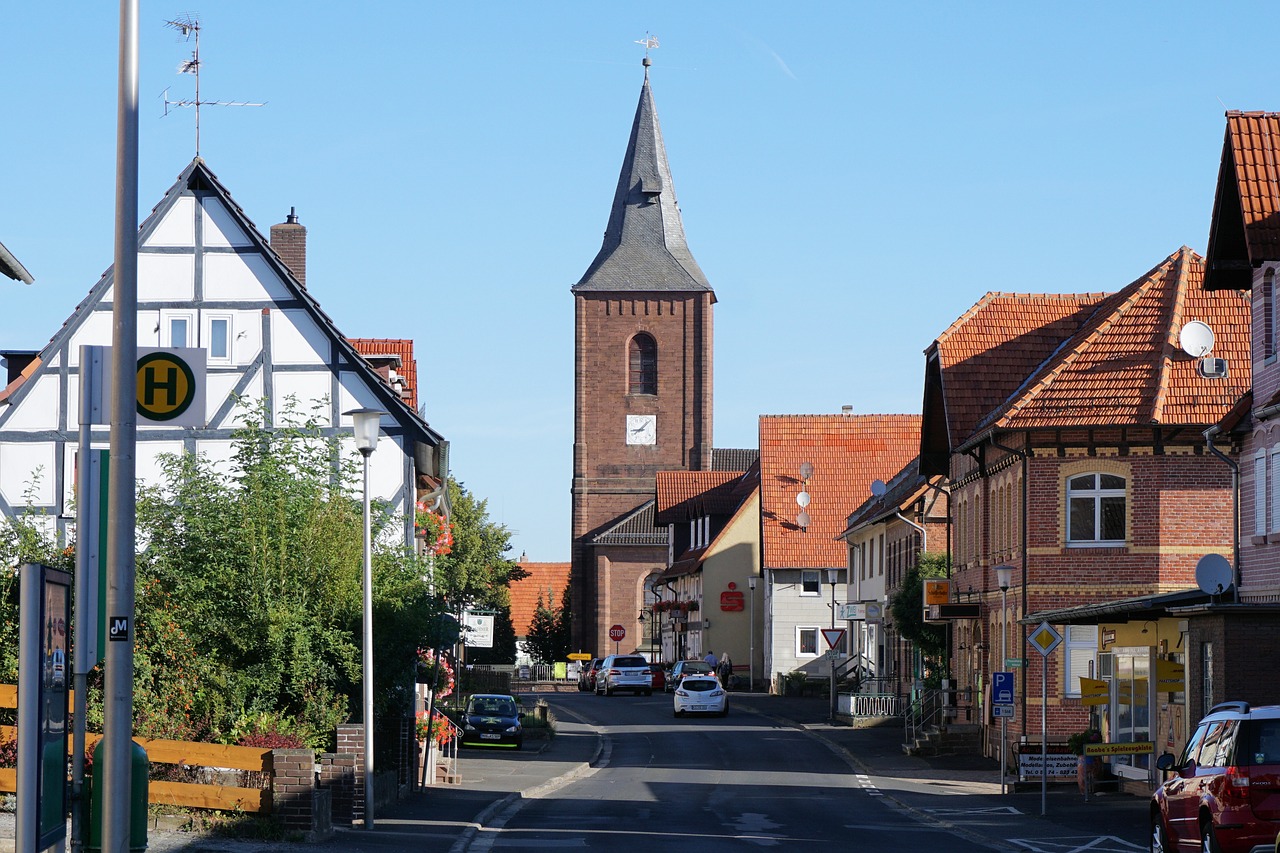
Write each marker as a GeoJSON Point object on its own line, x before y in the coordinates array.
{"type": "Point", "coordinates": [1002, 688]}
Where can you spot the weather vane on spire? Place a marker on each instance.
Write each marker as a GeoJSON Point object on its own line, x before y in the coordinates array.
{"type": "Point", "coordinates": [189, 25]}
{"type": "Point", "coordinates": [650, 41]}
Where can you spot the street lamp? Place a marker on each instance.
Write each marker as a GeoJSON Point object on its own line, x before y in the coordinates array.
{"type": "Point", "coordinates": [1004, 577]}
{"type": "Point", "coordinates": [751, 670]}
{"type": "Point", "coordinates": [366, 423]}
{"type": "Point", "coordinates": [832, 576]}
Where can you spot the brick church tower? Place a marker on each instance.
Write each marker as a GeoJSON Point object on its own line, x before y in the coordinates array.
{"type": "Point", "coordinates": [642, 389]}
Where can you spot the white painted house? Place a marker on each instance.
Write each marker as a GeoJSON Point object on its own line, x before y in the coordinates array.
{"type": "Point", "coordinates": [207, 278]}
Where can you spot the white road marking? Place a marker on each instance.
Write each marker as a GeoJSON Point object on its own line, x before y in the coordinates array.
{"type": "Point", "coordinates": [1078, 844]}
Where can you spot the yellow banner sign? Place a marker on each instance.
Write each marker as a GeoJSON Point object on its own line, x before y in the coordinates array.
{"type": "Point", "coordinates": [1094, 691]}
{"type": "Point", "coordinates": [579, 656]}
{"type": "Point", "coordinates": [1171, 676]}
{"type": "Point", "coordinates": [1119, 748]}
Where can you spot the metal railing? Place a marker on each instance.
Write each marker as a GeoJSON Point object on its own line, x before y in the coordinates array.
{"type": "Point", "coordinates": [931, 709]}
{"type": "Point", "coordinates": [448, 752]}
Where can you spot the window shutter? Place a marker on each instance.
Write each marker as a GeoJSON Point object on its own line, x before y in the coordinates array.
{"type": "Point", "coordinates": [1260, 495]}
{"type": "Point", "coordinates": [1081, 648]}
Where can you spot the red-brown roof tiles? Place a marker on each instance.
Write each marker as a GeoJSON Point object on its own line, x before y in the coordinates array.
{"type": "Point", "coordinates": [848, 452]}
{"type": "Point", "coordinates": [1253, 139]}
{"type": "Point", "coordinates": [683, 495]}
{"type": "Point", "coordinates": [408, 368]}
{"type": "Point", "coordinates": [545, 579]}
{"type": "Point", "coordinates": [1125, 367]}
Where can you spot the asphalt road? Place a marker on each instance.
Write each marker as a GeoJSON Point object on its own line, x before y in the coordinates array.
{"type": "Point", "coordinates": [710, 784]}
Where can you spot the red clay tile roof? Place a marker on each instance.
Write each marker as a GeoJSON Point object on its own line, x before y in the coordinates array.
{"type": "Point", "coordinates": [547, 579]}
{"type": "Point", "coordinates": [1253, 139]}
{"type": "Point", "coordinates": [683, 495]}
{"type": "Point", "coordinates": [408, 368]}
{"type": "Point", "coordinates": [848, 452]}
{"type": "Point", "coordinates": [1125, 367]}
{"type": "Point", "coordinates": [990, 350]}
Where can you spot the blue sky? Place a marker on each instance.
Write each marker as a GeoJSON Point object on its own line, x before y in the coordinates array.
{"type": "Point", "coordinates": [852, 177]}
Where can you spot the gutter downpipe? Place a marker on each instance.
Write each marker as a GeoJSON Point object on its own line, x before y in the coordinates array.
{"type": "Point", "coordinates": [1235, 502]}
{"type": "Point", "coordinates": [1022, 646]}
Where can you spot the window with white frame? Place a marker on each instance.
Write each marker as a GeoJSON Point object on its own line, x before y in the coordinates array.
{"type": "Point", "coordinates": [219, 341]}
{"type": "Point", "coordinates": [1096, 509]}
{"type": "Point", "coordinates": [1080, 645]}
{"type": "Point", "coordinates": [806, 642]}
{"type": "Point", "coordinates": [810, 582]}
{"type": "Point", "coordinates": [1260, 494]}
{"type": "Point", "coordinates": [1275, 490]}
{"type": "Point", "coordinates": [178, 330]}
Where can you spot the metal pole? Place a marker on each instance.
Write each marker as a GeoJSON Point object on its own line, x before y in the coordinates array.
{"type": "Point", "coordinates": [751, 669]}
{"type": "Point", "coordinates": [368, 654]}
{"type": "Point", "coordinates": [1044, 734]}
{"type": "Point", "coordinates": [833, 651]}
{"type": "Point", "coordinates": [1004, 656]}
{"type": "Point", "coordinates": [122, 511]}
{"type": "Point", "coordinates": [30, 608]}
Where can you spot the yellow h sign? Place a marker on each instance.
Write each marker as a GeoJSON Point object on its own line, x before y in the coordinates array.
{"type": "Point", "coordinates": [166, 386]}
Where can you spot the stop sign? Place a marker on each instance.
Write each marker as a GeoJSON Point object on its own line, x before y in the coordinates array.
{"type": "Point", "coordinates": [616, 633]}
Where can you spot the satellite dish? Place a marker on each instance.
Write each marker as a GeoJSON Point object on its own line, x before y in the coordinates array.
{"type": "Point", "coordinates": [1196, 339]}
{"type": "Point", "coordinates": [878, 488]}
{"type": "Point", "coordinates": [1213, 574]}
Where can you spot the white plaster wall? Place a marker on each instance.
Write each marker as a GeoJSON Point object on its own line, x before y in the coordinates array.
{"type": "Point", "coordinates": [309, 388]}
{"type": "Point", "coordinates": [178, 226]}
{"type": "Point", "coordinates": [220, 454]}
{"type": "Point", "coordinates": [295, 339]}
{"type": "Point", "coordinates": [166, 278]}
{"type": "Point", "coordinates": [148, 458]}
{"type": "Point", "coordinates": [241, 277]}
{"type": "Point", "coordinates": [27, 465]}
{"type": "Point", "coordinates": [219, 228]}
{"type": "Point", "coordinates": [38, 408]}
{"type": "Point", "coordinates": [96, 331]}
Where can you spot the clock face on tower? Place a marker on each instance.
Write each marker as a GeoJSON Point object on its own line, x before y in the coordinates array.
{"type": "Point", "coordinates": [642, 429]}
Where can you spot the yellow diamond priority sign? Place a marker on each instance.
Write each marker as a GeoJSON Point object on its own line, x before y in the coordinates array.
{"type": "Point", "coordinates": [1044, 638]}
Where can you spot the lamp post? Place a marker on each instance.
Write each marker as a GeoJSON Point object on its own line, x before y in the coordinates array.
{"type": "Point", "coordinates": [365, 426]}
{"type": "Point", "coordinates": [833, 575]}
{"type": "Point", "coordinates": [1004, 577]}
{"type": "Point", "coordinates": [751, 663]}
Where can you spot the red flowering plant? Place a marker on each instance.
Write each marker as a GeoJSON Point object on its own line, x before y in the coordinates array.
{"type": "Point", "coordinates": [437, 728]}
{"type": "Point", "coordinates": [434, 528]}
{"type": "Point", "coordinates": [434, 670]}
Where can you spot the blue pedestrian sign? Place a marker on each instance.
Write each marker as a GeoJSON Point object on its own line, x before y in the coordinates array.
{"type": "Point", "coordinates": [1002, 688]}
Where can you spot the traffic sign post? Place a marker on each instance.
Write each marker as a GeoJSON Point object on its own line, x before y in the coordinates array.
{"type": "Point", "coordinates": [617, 633]}
{"type": "Point", "coordinates": [1044, 639]}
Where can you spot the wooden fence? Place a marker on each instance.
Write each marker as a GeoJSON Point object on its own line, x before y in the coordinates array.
{"type": "Point", "coordinates": [184, 754]}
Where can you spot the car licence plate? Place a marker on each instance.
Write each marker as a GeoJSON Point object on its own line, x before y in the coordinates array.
{"type": "Point", "coordinates": [487, 736]}
{"type": "Point", "coordinates": [697, 707]}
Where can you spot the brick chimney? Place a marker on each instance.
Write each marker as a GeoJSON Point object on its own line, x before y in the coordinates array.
{"type": "Point", "coordinates": [289, 239]}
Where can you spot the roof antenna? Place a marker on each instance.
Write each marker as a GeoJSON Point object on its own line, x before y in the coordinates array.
{"type": "Point", "coordinates": [188, 25]}
{"type": "Point", "coordinates": [650, 42]}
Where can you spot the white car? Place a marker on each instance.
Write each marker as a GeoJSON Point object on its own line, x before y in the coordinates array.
{"type": "Point", "coordinates": [700, 694]}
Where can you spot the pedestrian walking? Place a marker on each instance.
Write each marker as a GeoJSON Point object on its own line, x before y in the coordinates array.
{"type": "Point", "coordinates": [725, 670]}
{"type": "Point", "coordinates": [711, 660]}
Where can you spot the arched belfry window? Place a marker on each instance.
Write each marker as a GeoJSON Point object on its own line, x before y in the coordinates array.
{"type": "Point", "coordinates": [643, 375]}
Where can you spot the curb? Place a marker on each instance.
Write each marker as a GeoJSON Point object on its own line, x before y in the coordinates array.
{"type": "Point", "coordinates": [496, 814]}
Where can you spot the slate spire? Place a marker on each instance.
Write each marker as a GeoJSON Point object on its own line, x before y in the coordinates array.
{"type": "Point", "coordinates": [644, 246]}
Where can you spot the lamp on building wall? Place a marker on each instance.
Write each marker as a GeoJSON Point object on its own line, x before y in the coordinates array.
{"type": "Point", "coordinates": [365, 425]}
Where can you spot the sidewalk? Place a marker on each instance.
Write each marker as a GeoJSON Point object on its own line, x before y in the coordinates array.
{"type": "Point", "coordinates": [877, 751]}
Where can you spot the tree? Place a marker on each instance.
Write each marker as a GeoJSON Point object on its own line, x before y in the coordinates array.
{"type": "Point", "coordinates": [542, 643]}
{"type": "Point", "coordinates": [906, 607]}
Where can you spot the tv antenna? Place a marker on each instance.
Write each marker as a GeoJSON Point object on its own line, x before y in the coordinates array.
{"type": "Point", "coordinates": [188, 26]}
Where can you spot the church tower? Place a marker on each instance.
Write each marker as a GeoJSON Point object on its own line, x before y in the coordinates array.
{"type": "Point", "coordinates": [642, 389]}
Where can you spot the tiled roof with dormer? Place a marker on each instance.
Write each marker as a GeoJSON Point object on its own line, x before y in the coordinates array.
{"type": "Point", "coordinates": [847, 452]}
{"type": "Point", "coordinates": [400, 348]}
{"type": "Point", "coordinates": [543, 579]}
{"type": "Point", "coordinates": [903, 489]}
{"type": "Point", "coordinates": [988, 352]}
{"type": "Point", "coordinates": [1125, 367]}
{"type": "Point", "coordinates": [685, 495]}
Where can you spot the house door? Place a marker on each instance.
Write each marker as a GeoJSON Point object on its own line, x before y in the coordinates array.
{"type": "Point", "coordinates": [1132, 701]}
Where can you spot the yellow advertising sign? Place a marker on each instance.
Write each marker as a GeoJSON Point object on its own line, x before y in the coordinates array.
{"type": "Point", "coordinates": [936, 591]}
{"type": "Point", "coordinates": [1093, 691]}
{"type": "Point", "coordinates": [1141, 748]}
{"type": "Point", "coordinates": [1171, 676]}
{"type": "Point", "coordinates": [579, 656]}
